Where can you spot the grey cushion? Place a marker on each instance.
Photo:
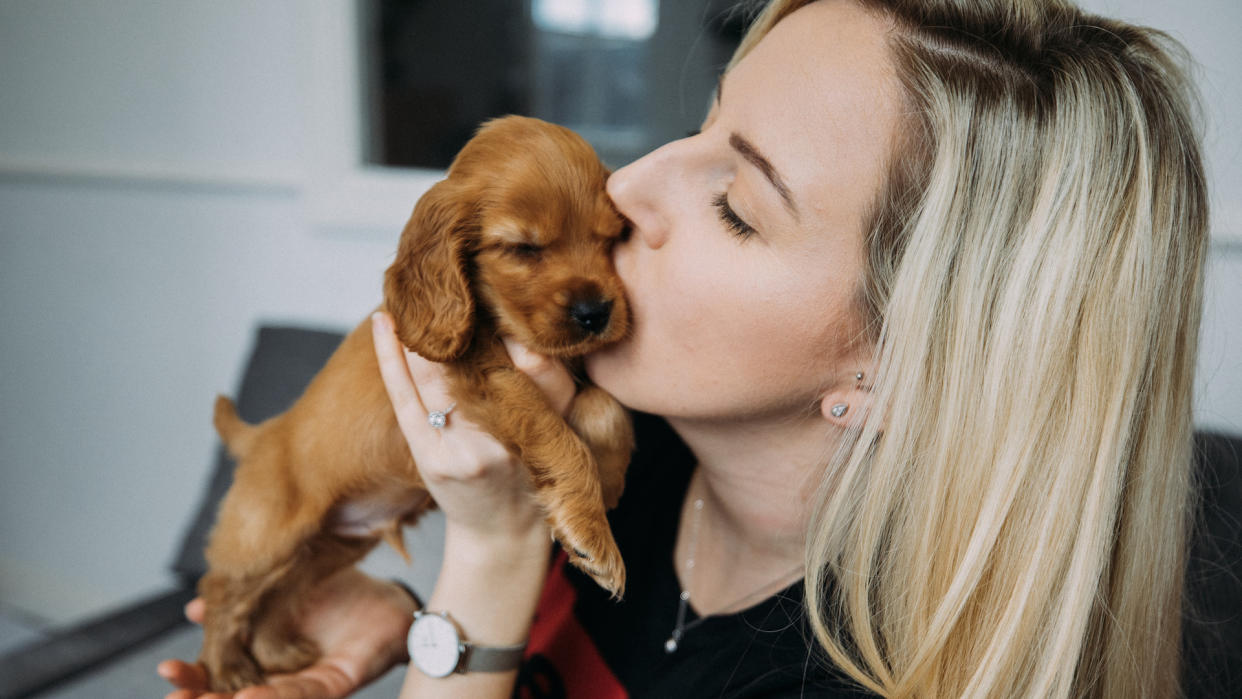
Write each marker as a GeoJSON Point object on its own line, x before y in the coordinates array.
{"type": "Point", "coordinates": [281, 364]}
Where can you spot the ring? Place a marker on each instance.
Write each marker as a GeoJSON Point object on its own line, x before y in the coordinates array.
{"type": "Point", "coordinates": [439, 418]}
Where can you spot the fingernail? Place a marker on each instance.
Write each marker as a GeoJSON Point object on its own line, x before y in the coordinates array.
{"type": "Point", "coordinates": [379, 321]}
{"type": "Point", "coordinates": [519, 354]}
{"type": "Point", "coordinates": [527, 360]}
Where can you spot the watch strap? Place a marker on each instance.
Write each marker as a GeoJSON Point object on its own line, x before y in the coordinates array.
{"type": "Point", "coordinates": [491, 658]}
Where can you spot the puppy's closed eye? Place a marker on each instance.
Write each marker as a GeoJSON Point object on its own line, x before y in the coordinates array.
{"type": "Point", "coordinates": [525, 250]}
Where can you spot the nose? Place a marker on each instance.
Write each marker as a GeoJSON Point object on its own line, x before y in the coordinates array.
{"type": "Point", "coordinates": [592, 315]}
{"type": "Point", "coordinates": [640, 190]}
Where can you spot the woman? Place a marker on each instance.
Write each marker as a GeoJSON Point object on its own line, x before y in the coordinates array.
{"type": "Point", "coordinates": [920, 304]}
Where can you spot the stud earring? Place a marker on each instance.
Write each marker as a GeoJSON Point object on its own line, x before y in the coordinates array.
{"type": "Point", "coordinates": [839, 409]}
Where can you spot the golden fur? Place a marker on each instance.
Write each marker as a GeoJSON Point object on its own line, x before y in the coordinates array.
{"type": "Point", "coordinates": [515, 241]}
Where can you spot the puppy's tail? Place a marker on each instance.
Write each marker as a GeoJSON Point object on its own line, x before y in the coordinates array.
{"type": "Point", "coordinates": [235, 432]}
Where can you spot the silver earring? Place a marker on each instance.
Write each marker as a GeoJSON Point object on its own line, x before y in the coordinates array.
{"type": "Point", "coordinates": [839, 409]}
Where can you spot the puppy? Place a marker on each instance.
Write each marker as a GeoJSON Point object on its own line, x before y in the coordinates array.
{"type": "Point", "coordinates": [516, 242]}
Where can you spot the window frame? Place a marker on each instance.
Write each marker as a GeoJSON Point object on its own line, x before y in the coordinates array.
{"type": "Point", "coordinates": [343, 191]}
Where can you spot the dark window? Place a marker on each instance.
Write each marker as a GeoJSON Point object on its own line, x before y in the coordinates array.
{"type": "Point", "coordinates": [629, 75]}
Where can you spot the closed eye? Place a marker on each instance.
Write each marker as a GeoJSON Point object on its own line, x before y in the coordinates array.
{"type": "Point", "coordinates": [525, 250]}
{"type": "Point", "coordinates": [729, 217]}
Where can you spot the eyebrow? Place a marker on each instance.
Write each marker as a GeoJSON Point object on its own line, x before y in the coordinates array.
{"type": "Point", "coordinates": [752, 155]}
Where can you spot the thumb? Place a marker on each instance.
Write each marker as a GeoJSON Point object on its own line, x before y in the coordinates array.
{"type": "Point", "coordinates": [548, 374]}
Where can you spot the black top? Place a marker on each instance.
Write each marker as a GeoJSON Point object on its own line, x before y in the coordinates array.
{"type": "Point", "coordinates": [584, 644]}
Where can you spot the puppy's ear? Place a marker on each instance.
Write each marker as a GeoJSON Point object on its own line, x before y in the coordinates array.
{"type": "Point", "coordinates": [426, 289]}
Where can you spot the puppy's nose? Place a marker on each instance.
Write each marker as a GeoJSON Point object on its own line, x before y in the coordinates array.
{"type": "Point", "coordinates": [591, 315]}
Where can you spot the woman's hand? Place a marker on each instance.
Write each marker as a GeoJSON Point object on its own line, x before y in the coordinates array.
{"type": "Point", "coordinates": [360, 625]}
{"type": "Point", "coordinates": [494, 532]}
{"type": "Point", "coordinates": [496, 544]}
{"type": "Point", "coordinates": [483, 491]}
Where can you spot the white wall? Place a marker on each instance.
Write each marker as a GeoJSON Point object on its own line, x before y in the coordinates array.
{"type": "Point", "coordinates": [171, 173]}
{"type": "Point", "coordinates": [154, 166]}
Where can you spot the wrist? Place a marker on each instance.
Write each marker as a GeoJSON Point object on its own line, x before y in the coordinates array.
{"type": "Point", "coordinates": [409, 592]}
{"type": "Point", "coordinates": [491, 585]}
{"type": "Point", "coordinates": [499, 550]}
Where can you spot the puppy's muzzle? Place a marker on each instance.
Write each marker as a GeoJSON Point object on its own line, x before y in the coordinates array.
{"type": "Point", "coordinates": [592, 315]}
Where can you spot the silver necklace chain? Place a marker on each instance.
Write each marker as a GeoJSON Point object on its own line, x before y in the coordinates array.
{"type": "Point", "coordinates": [679, 630]}
{"type": "Point", "coordinates": [683, 602]}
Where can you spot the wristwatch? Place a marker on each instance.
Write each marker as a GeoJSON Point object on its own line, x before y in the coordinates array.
{"type": "Point", "coordinates": [437, 649]}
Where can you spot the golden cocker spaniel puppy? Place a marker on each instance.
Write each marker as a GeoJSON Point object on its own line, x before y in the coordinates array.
{"type": "Point", "coordinates": [516, 241]}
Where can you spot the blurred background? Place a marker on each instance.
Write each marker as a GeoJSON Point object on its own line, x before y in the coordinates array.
{"type": "Point", "coordinates": [174, 173]}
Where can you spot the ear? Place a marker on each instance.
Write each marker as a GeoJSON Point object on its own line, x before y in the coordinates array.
{"type": "Point", "coordinates": [847, 404]}
{"type": "Point", "coordinates": [426, 288]}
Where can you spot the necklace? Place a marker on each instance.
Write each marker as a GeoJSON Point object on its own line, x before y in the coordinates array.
{"type": "Point", "coordinates": [683, 602]}
{"type": "Point", "coordinates": [674, 639]}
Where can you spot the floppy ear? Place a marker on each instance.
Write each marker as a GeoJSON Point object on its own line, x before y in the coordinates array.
{"type": "Point", "coordinates": [426, 288]}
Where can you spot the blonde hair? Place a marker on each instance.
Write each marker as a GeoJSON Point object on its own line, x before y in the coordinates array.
{"type": "Point", "coordinates": [1011, 519]}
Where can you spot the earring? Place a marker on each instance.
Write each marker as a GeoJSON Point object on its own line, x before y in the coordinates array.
{"type": "Point", "coordinates": [839, 409]}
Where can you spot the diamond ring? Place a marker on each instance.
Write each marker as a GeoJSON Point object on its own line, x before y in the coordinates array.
{"type": "Point", "coordinates": [439, 418]}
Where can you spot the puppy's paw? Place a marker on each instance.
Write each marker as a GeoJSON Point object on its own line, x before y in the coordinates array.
{"type": "Point", "coordinates": [233, 671]}
{"type": "Point", "coordinates": [279, 654]}
{"type": "Point", "coordinates": [592, 550]}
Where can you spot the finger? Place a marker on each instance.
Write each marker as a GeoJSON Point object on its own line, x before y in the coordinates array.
{"type": "Point", "coordinates": [548, 374]}
{"type": "Point", "coordinates": [266, 692]}
{"type": "Point", "coordinates": [416, 385]}
{"type": "Point", "coordinates": [431, 381]}
{"type": "Point", "coordinates": [322, 680]}
{"type": "Point", "coordinates": [195, 610]}
{"type": "Point", "coordinates": [396, 374]}
{"type": "Point", "coordinates": [182, 674]}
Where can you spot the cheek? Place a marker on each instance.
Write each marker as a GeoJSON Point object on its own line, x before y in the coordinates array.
{"type": "Point", "coordinates": [727, 333]}
{"type": "Point", "coordinates": [696, 317]}
{"type": "Point", "coordinates": [754, 327]}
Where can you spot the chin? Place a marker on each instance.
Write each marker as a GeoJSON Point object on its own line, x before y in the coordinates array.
{"type": "Point", "coordinates": [610, 368]}
{"type": "Point", "coordinates": [635, 385]}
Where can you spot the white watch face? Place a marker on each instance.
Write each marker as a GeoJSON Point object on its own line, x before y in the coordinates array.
{"type": "Point", "coordinates": [434, 645]}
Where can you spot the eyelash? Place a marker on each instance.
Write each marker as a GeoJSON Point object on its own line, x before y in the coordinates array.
{"type": "Point", "coordinates": [729, 217]}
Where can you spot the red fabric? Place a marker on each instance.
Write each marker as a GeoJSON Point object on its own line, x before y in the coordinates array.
{"type": "Point", "coordinates": [557, 638]}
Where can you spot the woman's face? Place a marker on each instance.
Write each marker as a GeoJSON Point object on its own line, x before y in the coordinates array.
{"type": "Point", "coordinates": [747, 247]}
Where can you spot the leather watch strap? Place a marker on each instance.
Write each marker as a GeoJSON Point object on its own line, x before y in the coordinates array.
{"type": "Point", "coordinates": [491, 658]}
